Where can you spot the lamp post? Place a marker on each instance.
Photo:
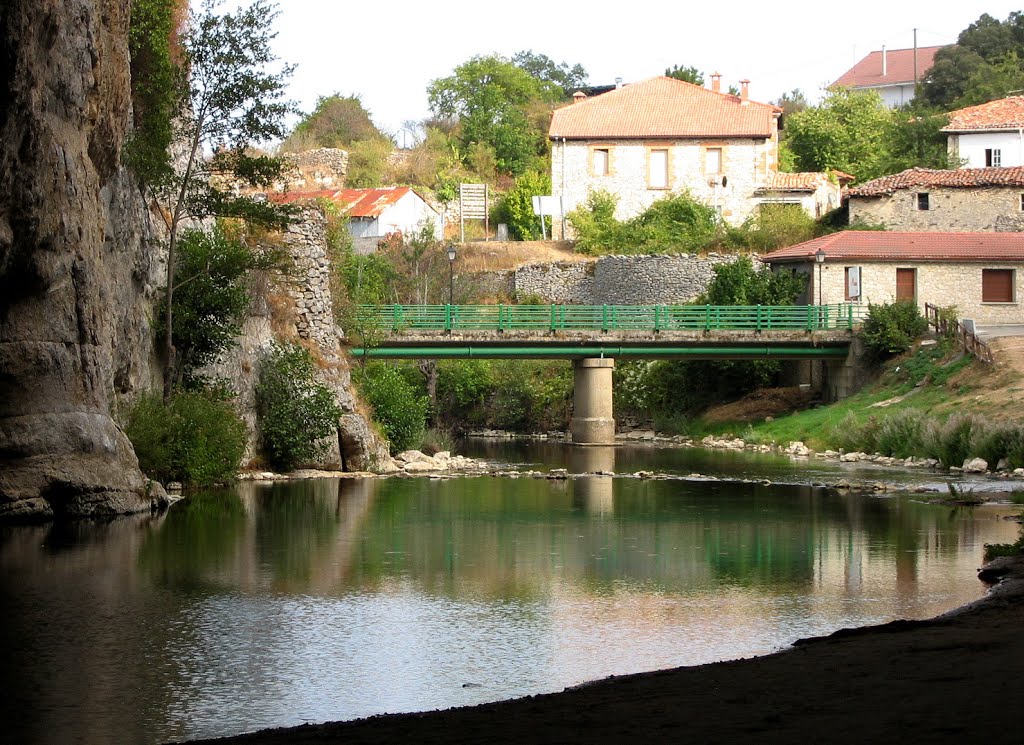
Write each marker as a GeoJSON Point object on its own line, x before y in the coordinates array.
{"type": "Point", "coordinates": [451, 273]}
{"type": "Point", "coordinates": [819, 259]}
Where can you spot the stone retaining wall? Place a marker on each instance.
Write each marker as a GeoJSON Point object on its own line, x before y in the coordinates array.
{"type": "Point", "coordinates": [661, 279]}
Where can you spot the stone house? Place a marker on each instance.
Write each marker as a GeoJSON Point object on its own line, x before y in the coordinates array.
{"type": "Point", "coordinates": [643, 141]}
{"type": "Point", "coordinates": [977, 272]}
{"type": "Point", "coordinates": [373, 214]}
{"type": "Point", "coordinates": [966, 199]}
{"type": "Point", "coordinates": [988, 135]}
{"type": "Point", "coordinates": [892, 72]}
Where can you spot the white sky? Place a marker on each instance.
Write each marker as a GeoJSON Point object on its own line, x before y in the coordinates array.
{"type": "Point", "coordinates": [388, 52]}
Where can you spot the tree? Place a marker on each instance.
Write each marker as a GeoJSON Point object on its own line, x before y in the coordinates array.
{"type": "Point", "coordinates": [547, 71]}
{"type": "Point", "coordinates": [337, 121]}
{"type": "Point", "coordinates": [987, 50]}
{"type": "Point", "coordinates": [491, 98]}
{"type": "Point", "coordinates": [793, 102]}
{"type": "Point", "coordinates": [849, 131]}
{"type": "Point", "coordinates": [688, 74]}
{"type": "Point", "coordinates": [228, 101]}
{"type": "Point", "coordinates": [515, 207]}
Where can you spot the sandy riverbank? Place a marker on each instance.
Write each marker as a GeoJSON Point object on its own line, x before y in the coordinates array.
{"type": "Point", "coordinates": [957, 678]}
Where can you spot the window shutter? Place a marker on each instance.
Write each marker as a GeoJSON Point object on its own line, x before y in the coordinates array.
{"type": "Point", "coordinates": [997, 285]}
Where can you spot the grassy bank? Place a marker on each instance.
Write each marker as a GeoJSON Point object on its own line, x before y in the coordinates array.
{"type": "Point", "coordinates": [932, 402]}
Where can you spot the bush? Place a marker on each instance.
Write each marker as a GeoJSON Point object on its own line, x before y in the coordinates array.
{"type": "Point", "coordinates": [952, 439]}
{"type": "Point", "coordinates": [902, 434]}
{"type": "Point", "coordinates": [398, 408]}
{"type": "Point", "coordinates": [195, 437]}
{"type": "Point", "coordinates": [515, 208]}
{"type": "Point", "coordinates": [891, 329]}
{"type": "Point", "coordinates": [295, 412]}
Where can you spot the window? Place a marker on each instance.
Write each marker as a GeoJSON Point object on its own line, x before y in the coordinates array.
{"type": "Point", "coordinates": [993, 157]}
{"type": "Point", "coordinates": [657, 174]}
{"type": "Point", "coordinates": [853, 283]}
{"type": "Point", "coordinates": [600, 161]}
{"type": "Point", "coordinates": [922, 200]}
{"type": "Point", "coordinates": [713, 160]}
{"type": "Point", "coordinates": [997, 285]}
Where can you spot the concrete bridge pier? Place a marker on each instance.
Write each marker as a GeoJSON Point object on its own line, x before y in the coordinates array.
{"type": "Point", "coordinates": [592, 422]}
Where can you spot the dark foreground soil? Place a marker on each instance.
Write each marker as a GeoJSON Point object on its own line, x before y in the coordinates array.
{"type": "Point", "coordinates": [958, 678]}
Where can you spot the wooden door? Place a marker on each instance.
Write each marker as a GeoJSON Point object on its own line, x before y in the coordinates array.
{"type": "Point", "coordinates": [906, 284]}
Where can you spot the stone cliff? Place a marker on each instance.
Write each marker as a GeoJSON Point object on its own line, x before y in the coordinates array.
{"type": "Point", "coordinates": [80, 273]}
{"type": "Point", "coordinates": [74, 265]}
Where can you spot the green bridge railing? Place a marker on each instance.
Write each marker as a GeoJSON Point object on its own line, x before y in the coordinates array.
{"type": "Point", "coordinates": [412, 318]}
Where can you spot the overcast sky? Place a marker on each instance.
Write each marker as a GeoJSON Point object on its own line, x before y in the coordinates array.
{"type": "Point", "coordinates": [388, 52]}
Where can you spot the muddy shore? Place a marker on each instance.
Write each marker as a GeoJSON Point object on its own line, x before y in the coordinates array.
{"type": "Point", "coordinates": [955, 678]}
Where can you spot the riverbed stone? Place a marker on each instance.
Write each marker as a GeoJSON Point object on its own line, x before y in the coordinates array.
{"type": "Point", "coordinates": [975, 465]}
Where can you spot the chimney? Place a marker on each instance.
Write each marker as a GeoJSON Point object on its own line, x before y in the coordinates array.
{"type": "Point", "coordinates": [618, 82]}
{"type": "Point", "coordinates": [716, 82]}
{"type": "Point", "coordinates": [744, 89]}
{"type": "Point", "coordinates": [885, 62]}
{"type": "Point", "coordinates": [578, 96]}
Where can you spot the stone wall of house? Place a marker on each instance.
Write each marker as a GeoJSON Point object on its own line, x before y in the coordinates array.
{"type": "Point", "coordinates": [661, 279]}
{"type": "Point", "coordinates": [746, 162]}
{"type": "Point", "coordinates": [321, 168]}
{"type": "Point", "coordinates": [949, 209]}
{"type": "Point", "coordinates": [939, 284]}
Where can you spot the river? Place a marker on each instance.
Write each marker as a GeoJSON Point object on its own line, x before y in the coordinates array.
{"type": "Point", "coordinates": [279, 604]}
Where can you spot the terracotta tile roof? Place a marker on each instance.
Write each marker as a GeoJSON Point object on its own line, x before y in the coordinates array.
{"type": "Point", "coordinates": [874, 245]}
{"type": "Point", "coordinates": [927, 177]}
{"type": "Point", "coordinates": [355, 202]}
{"type": "Point", "coordinates": [899, 68]}
{"type": "Point", "coordinates": [662, 107]}
{"type": "Point", "coordinates": [794, 181]}
{"type": "Point", "coordinates": [1005, 113]}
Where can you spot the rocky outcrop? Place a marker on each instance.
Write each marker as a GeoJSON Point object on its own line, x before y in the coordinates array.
{"type": "Point", "coordinates": [75, 272]}
{"type": "Point", "coordinates": [297, 306]}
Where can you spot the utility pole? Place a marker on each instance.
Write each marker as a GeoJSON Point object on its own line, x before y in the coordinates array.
{"type": "Point", "coordinates": [915, 62]}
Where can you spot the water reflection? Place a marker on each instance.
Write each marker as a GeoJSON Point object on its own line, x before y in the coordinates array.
{"type": "Point", "coordinates": [276, 604]}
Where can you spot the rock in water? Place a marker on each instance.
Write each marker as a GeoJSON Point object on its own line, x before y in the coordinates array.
{"type": "Point", "coordinates": [74, 265]}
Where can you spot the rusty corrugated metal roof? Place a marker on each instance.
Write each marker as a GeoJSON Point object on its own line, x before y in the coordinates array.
{"type": "Point", "coordinates": [364, 203]}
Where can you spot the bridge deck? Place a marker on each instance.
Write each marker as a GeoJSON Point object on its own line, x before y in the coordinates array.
{"type": "Point", "coordinates": [574, 332]}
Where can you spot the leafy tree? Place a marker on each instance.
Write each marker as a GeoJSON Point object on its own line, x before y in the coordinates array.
{"type": "Point", "coordinates": [337, 121]}
{"type": "Point", "coordinates": [891, 328]}
{"type": "Point", "coordinates": [295, 412]}
{"type": "Point", "coordinates": [397, 407]}
{"type": "Point", "coordinates": [212, 297]}
{"type": "Point", "coordinates": [980, 66]}
{"type": "Point", "coordinates": [688, 74]}
{"type": "Point", "coordinates": [849, 131]}
{"type": "Point", "coordinates": [228, 101]}
{"type": "Point", "coordinates": [491, 97]}
{"type": "Point", "coordinates": [793, 102]}
{"type": "Point", "coordinates": [368, 162]}
{"type": "Point", "coordinates": [738, 283]}
{"type": "Point", "coordinates": [568, 78]}
{"type": "Point", "coordinates": [515, 207]}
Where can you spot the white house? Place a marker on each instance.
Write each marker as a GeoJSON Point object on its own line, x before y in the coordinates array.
{"type": "Point", "coordinates": [979, 273]}
{"type": "Point", "coordinates": [988, 135]}
{"type": "Point", "coordinates": [892, 72]}
{"type": "Point", "coordinates": [375, 213]}
{"type": "Point", "coordinates": [646, 140]}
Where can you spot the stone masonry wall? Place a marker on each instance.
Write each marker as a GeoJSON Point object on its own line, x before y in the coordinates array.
{"type": "Point", "coordinates": [937, 283]}
{"type": "Point", "coordinates": [957, 210]}
{"type": "Point", "coordinates": [661, 279]}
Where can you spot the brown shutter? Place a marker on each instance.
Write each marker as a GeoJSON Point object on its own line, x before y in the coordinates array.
{"type": "Point", "coordinates": [906, 284]}
{"type": "Point", "coordinates": [997, 285]}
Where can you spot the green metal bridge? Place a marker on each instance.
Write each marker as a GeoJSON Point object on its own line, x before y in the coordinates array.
{"type": "Point", "coordinates": [584, 331]}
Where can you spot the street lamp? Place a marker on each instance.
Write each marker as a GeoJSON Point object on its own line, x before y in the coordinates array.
{"type": "Point", "coordinates": [451, 273]}
{"type": "Point", "coordinates": [819, 259]}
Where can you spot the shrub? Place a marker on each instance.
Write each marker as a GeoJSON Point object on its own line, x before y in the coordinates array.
{"type": "Point", "coordinates": [398, 408]}
{"type": "Point", "coordinates": [195, 437]}
{"type": "Point", "coordinates": [891, 328]}
{"type": "Point", "coordinates": [515, 208]}
{"type": "Point", "coordinates": [295, 412]}
{"type": "Point", "coordinates": [902, 434]}
{"type": "Point", "coordinates": [952, 439]}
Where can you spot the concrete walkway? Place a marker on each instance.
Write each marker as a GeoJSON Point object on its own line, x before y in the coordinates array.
{"type": "Point", "coordinates": [994, 332]}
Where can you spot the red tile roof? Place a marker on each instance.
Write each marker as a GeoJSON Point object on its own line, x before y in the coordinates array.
{"type": "Point", "coordinates": [1004, 113]}
{"type": "Point", "coordinates": [899, 68]}
{"type": "Point", "coordinates": [874, 245]}
{"type": "Point", "coordinates": [355, 202]}
{"type": "Point", "coordinates": [927, 177]}
{"type": "Point", "coordinates": [662, 107]}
